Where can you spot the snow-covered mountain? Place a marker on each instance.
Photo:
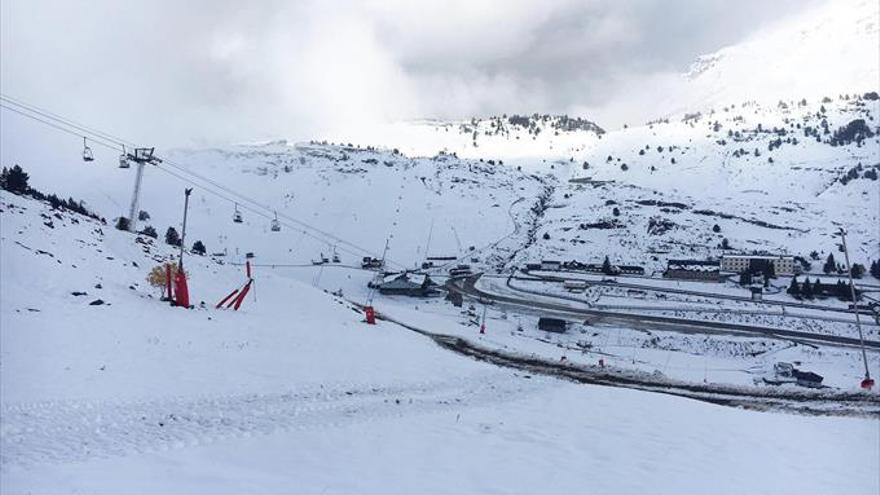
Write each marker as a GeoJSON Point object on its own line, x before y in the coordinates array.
{"type": "Point", "coordinates": [782, 178]}
{"type": "Point", "coordinates": [522, 140]}
{"type": "Point", "coordinates": [831, 48]}
{"type": "Point", "coordinates": [328, 198]}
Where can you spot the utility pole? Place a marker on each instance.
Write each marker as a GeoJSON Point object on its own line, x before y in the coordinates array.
{"type": "Point", "coordinates": [385, 252]}
{"type": "Point", "coordinates": [867, 383]}
{"type": "Point", "coordinates": [141, 156]}
{"type": "Point", "coordinates": [186, 193]}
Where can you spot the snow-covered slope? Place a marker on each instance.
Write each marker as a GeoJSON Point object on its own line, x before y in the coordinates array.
{"type": "Point", "coordinates": [294, 392]}
{"type": "Point", "coordinates": [829, 48]}
{"type": "Point", "coordinates": [527, 141]}
{"type": "Point", "coordinates": [328, 198]}
{"type": "Point", "coordinates": [779, 178]}
{"type": "Point", "coordinates": [55, 344]}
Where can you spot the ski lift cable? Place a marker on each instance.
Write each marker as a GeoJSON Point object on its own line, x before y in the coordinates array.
{"type": "Point", "coordinates": [120, 143]}
{"type": "Point", "coordinates": [321, 236]}
{"type": "Point", "coordinates": [117, 144]}
{"type": "Point", "coordinates": [282, 215]}
{"type": "Point", "coordinates": [72, 123]}
{"type": "Point", "coordinates": [61, 128]}
{"type": "Point", "coordinates": [245, 207]}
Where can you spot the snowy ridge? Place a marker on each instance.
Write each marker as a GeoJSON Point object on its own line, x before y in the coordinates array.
{"type": "Point", "coordinates": [771, 178]}
{"type": "Point", "coordinates": [830, 47]}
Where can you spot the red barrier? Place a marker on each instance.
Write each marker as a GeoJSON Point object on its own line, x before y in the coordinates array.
{"type": "Point", "coordinates": [182, 291]}
{"type": "Point", "coordinates": [236, 297]}
{"type": "Point", "coordinates": [370, 313]}
{"type": "Point", "coordinates": [240, 298]}
{"type": "Point", "coordinates": [868, 383]}
{"type": "Point", "coordinates": [230, 296]}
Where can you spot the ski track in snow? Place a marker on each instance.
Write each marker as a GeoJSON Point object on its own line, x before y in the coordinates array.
{"type": "Point", "coordinates": [78, 430]}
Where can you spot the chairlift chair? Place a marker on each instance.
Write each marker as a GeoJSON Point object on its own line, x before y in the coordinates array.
{"type": "Point", "coordinates": [276, 226]}
{"type": "Point", "coordinates": [123, 159]}
{"type": "Point", "coordinates": [236, 216]}
{"type": "Point", "coordinates": [335, 255]}
{"type": "Point", "coordinates": [87, 152]}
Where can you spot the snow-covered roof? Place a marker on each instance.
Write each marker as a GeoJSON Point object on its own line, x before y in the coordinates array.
{"type": "Point", "coordinates": [403, 281]}
{"type": "Point", "coordinates": [758, 256]}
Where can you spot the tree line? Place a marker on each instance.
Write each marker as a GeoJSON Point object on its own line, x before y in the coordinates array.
{"type": "Point", "coordinates": [15, 180]}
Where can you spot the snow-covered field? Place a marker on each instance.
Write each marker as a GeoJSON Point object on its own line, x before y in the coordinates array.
{"type": "Point", "coordinates": [295, 393]}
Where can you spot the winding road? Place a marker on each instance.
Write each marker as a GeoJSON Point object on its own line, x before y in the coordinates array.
{"type": "Point", "coordinates": [466, 287]}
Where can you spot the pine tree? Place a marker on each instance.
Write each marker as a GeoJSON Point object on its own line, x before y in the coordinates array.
{"type": "Point", "coordinates": [122, 223]}
{"type": "Point", "coordinates": [857, 270]}
{"type": "Point", "coordinates": [875, 269]}
{"type": "Point", "coordinates": [807, 289]}
{"type": "Point", "coordinates": [606, 266]}
{"type": "Point", "coordinates": [830, 264]}
{"type": "Point", "coordinates": [199, 248]}
{"type": "Point", "coordinates": [841, 290]}
{"type": "Point", "coordinates": [793, 288]}
{"type": "Point", "coordinates": [171, 237]}
{"type": "Point", "coordinates": [149, 231]}
{"type": "Point", "coordinates": [14, 180]}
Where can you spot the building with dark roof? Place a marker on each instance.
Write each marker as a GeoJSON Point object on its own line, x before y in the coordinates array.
{"type": "Point", "coordinates": [407, 284]}
{"type": "Point", "coordinates": [709, 271]}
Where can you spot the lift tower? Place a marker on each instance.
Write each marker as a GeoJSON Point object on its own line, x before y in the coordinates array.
{"type": "Point", "coordinates": [141, 156]}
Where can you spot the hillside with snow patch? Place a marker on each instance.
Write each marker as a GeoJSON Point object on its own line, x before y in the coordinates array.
{"type": "Point", "coordinates": [100, 397]}
{"type": "Point", "coordinates": [783, 178]}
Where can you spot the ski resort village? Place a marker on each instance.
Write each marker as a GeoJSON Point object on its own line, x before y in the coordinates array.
{"type": "Point", "coordinates": [466, 248]}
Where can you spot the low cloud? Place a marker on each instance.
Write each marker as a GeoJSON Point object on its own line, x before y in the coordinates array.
{"type": "Point", "coordinates": [204, 71]}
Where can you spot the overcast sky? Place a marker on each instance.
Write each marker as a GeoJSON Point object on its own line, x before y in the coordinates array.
{"type": "Point", "coordinates": [213, 71]}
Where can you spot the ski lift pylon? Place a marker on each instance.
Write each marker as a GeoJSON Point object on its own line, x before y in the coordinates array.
{"type": "Point", "coordinates": [87, 152]}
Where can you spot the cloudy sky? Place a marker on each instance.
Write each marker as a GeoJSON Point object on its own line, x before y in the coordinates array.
{"type": "Point", "coordinates": [211, 71]}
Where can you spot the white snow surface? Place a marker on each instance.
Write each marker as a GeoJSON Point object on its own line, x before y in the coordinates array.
{"type": "Point", "coordinates": [295, 393]}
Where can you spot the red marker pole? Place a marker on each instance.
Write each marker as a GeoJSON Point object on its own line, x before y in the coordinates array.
{"type": "Point", "coordinates": [238, 300]}
{"type": "Point", "coordinates": [227, 298]}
